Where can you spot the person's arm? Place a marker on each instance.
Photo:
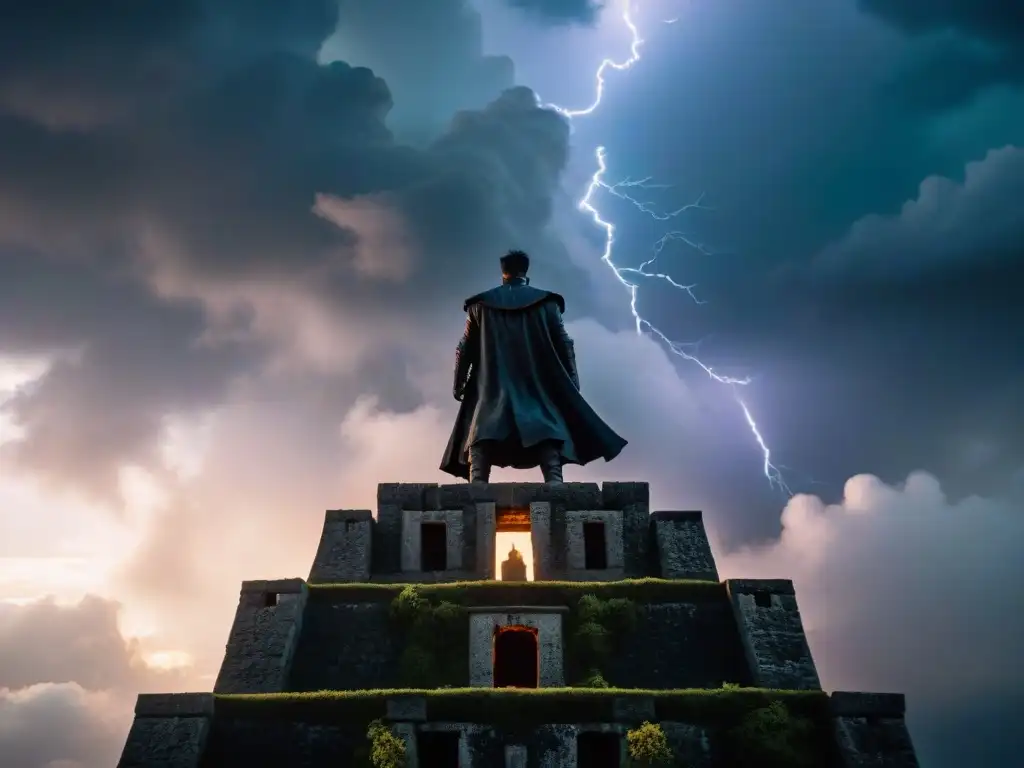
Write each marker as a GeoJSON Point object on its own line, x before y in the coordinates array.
{"type": "Point", "coordinates": [466, 353]}
{"type": "Point", "coordinates": [563, 342]}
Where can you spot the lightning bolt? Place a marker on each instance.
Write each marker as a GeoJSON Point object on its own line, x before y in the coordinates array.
{"type": "Point", "coordinates": [629, 276]}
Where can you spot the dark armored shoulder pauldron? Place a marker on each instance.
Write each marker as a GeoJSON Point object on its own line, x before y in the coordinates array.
{"type": "Point", "coordinates": [513, 297]}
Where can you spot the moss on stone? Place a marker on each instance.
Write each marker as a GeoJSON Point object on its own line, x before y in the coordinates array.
{"type": "Point", "coordinates": [481, 593]}
{"type": "Point", "coordinates": [435, 634]}
{"type": "Point", "coordinates": [713, 708]}
{"type": "Point", "coordinates": [598, 628]}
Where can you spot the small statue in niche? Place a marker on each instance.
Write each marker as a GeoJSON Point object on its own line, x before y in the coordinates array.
{"type": "Point", "coordinates": [514, 568]}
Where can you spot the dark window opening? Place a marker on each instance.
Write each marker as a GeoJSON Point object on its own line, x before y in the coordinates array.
{"type": "Point", "coordinates": [763, 599]}
{"type": "Point", "coordinates": [438, 749]}
{"type": "Point", "coordinates": [598, 750]}
{"type": "Point", "coordinates": [433, 547]}
{"type": "Point", "coordinates": [516, 659]}
{"type": "Point", "coordinates": [594, 552]}
{"type": "Point", "coordinates": [349, 525]}
{"type": "Point", "coordinates": [269, 599]}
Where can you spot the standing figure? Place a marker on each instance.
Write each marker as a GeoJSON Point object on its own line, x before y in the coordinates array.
{"type": "Point", "coordinates": [515, 375]}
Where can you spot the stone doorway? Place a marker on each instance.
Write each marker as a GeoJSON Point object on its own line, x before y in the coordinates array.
{"type": "Point", "coordinates": [516, 658]}
{"type": "Point", "coordinates": [595, 749]}
{"type": "Point", "coordinates": [513, 545]}
{"type": "Point", "coordinates": [437, 749]}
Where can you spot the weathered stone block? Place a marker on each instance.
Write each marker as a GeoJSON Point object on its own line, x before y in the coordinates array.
{"type": "Point", "coordinates": [485, 516]}
{"type": "Point", "coordinates": [634, 709]}
{"type": "Point", "coordinates": [174, 705]}
{"type": "Point", "coordinates": [622, 495]}
{"type": "Point", "coordinates": [169, 731]}
{"type": "Point", "coordinates": [540, 538]}
{"type": "Point", "coordinates": [683, 548]}
{"type": "Point", "coordinates": [407, 708]}
{"type": "Point", "coordinates": [404, 495]}
{"type": "Point", "coordinates": [851, 704]}
{"type": "Point", "coordinates": [870, 730]}
{"type": "Point", "coordinates": [345, 551]}
{"type": "Point", "coordinates": [515, 495]}
{"type": "Point", "coordinates": [772, 632]}
{"type": "Point", "coordinates": [261, 644]}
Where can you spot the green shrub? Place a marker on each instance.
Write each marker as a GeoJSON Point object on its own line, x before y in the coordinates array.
{"type": "Point", "coordinates": [436, 637]}
{"type": "Point", "coordinates": [386, 749]}
{"type": "Point", "coordinates": [594, 679]}
{"type": "Point", "coordinates": [772, 737]}
{"type": "Point", "coordinates": [647, 746]}
{"type": "Point", "coordinates": [600, 626]}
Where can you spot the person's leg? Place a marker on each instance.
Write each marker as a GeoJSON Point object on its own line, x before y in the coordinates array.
{"type": "Point", "coordinates": [550, 456]}
{"type": "Point", "coordinates": [479, 463]}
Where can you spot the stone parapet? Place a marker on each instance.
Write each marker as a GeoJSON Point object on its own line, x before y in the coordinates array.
{"type": "Point", "coordinates": [345, 552]}
{"type": "Point", "coordinates": [683, 548]}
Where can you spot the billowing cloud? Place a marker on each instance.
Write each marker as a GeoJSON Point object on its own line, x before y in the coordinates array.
{"type": "Point", "coordinates": [68, 680]}
{"type": "Point", "coordinates": [62, 726]}
{"type": "Point", "coordinates": [430, 54]}
{"type": "Point", "coordinates": [950, 226]}
{"type": "Point", "coordinates": [234, 260]}
{"type": "Point", "coordinates": [253, 219]}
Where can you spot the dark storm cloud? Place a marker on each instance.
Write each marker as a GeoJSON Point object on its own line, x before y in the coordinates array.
{"type": "Point", "coordinates": [430, 54]}
{"type": "Point", "coordinates": [998, 20]}
{"type": "Point", "coordinates": [974, 44]}
{"type": "Point", "coordinates": [561, 11]}
{"type": "Point", "coordinates": [794, 142]}
{"type": "Point", "coordinates": [260, 176]}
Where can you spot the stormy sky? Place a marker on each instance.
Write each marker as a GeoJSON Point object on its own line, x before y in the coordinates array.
{"type": "Point", "coordinates": [234, 241]}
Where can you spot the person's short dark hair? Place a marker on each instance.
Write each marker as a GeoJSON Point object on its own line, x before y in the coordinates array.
{"type": "Point", "coordinates": [515, 263]}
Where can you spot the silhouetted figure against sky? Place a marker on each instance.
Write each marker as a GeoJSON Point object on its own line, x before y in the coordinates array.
{"type": "Point", "coordinates": [515, 375]}
{"type": "Point", "coordinates": [514, 568]}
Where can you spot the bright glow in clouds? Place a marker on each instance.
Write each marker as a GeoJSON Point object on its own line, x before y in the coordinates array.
{"type": "Point", "coordinates": [588, 205]}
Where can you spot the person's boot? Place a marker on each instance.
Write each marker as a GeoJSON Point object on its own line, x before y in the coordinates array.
{"type": "Point", "coordinates": [479, 466]}
{"type": "Point", "coordinates": [551, 464]}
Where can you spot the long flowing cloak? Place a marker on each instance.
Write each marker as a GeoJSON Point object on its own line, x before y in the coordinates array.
{"type": "Point", "coordinates": [520, 392]}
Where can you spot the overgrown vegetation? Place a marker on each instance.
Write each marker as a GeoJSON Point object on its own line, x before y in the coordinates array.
{"type": "Point", "coordinates": [385, 749]}
{"type": "Point", "coordinates": [472, 593]}
{"type": "Point", "coordinates": [600, 626]}
{"type": "Point", "coordinates": [436, 635]}
{"type": "Point", "coordinates": [773, 737]}
{"type": "Point", "coordinates": [714, 708]}
{"type": "Point", "coordinates": [647, 746]}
